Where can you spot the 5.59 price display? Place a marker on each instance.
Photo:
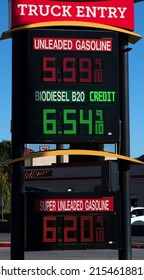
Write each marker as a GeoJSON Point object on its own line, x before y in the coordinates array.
{"type": "Point", "coordinates": [72, 70]}
{"type": "Point", "coordinates": [72, 86]}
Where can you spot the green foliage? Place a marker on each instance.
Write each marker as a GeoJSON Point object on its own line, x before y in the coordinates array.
{"type": "Point", "coordinates": [5, 175]}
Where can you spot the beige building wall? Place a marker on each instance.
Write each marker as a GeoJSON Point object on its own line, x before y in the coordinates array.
{"type": "Point", "coordinates": [44, 161]}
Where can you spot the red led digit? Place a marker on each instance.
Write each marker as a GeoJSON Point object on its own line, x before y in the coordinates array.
{"type": "Point", "coordinates": [49, 69]}
{"type": "Point", "coordinates": [69, 70]}
{"type": "Point", "coordinates": [100, 235]}
{"type": "Point", "coordinates": [98, 75]}
{"type": "Point", "coordinates": [70, 230]}
{"type": "Point", "coordinates": [85, 70]}
{"type": "Point", "coordinates": [47, 230]}
{"type": "Point", "coordinates": [86, 228]}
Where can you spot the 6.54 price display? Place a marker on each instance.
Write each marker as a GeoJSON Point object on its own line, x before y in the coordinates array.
{"type": "Point", "coordinates": [72, 121]}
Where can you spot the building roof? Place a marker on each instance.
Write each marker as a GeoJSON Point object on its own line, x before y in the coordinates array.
{"type": "Point", "coordinates": [141, 158]}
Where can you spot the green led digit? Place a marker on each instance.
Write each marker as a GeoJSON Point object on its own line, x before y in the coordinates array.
{"type": "Point", "coordinates": [49, 121]}
{"type": "Point", "coordinates": [69, 119]}
{"type": "Point", "coordinates": [99, 124]}
{"type": "Point", "coordinates": [86, 121]}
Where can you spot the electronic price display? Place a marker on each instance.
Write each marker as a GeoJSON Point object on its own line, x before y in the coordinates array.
{"type": "Point", "coordinates": [72, 86]}
{"type": "Point", "coordinates": [59, 221]}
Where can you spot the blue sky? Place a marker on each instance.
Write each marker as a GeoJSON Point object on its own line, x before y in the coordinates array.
{"type": "Point", "coordinates": [136, 81]}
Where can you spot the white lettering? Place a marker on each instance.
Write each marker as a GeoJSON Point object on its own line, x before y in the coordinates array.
{"type": "Point", "coordinates": [122, 11]}
{"type": "Point", "coordinates": [47, 205]}
{"type": "Point", "coordinates": [53, 11]}
{"type": "Point", "coordinates": [32, 10]}
{"type": "Point", "coordinates": [53, 96]}
{"type": "Point", "coordinates": [69, 11]}
{"type": "Point", "coordinates": [52, 44]}
{"type": "Point", "coordinates": [45, 10]}
{"type": "Point", "coordinates": [22, 8]}
{"type": "Point", "coordinates": [44, 14]}
{"type": "Point", "coordinates": [80, 10]}
{"type": "Point", "coordinates": [70, 205]}
{"type": "Point", "coordinates": [66, 11]}
{"type": "Point", "coordinates": [97, 205]}
{"type": "Point", "coordinates": [112, 12]}
{"type": "Point", "coordinates": [102, 10]}
{"type": "Point", "coordinates": [91, 12]}
{"type": "Point", "coordinates": [94, 45]}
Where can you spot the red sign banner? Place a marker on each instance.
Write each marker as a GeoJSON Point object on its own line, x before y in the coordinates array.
{"type": "Point", "coordinates": [72, 44]}
{"type": "Point", "coordinates": [105, 204]}
{"type": "Point", "coordinates": [117, 13]}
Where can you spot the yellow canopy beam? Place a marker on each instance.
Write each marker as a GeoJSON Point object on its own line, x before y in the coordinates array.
{"type": "Point", "coordinates": [132, 37]}
{"type": "Point", "coordinates": [71, 152]}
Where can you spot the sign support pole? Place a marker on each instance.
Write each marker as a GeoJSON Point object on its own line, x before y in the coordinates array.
{"type": "Point", "coordinates": [17, 196]}
{"type": "Point", "coordinates": [125, 252]}
{"type": "Point", "coordinates": [60, 159]}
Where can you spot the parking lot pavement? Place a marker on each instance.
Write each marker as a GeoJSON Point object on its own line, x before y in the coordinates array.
{"type": "Point", "coordinates": [137, 251]}
{"type": "Point", "coordinates": [137, 241]}
{"type": "Point", "coordinates": [4, 239]}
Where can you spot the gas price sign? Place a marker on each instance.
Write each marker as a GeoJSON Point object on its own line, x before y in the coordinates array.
{"type": "Point", "coordinates": [73, 86]}
{"type": "Point", "coordinates": [63, 221]}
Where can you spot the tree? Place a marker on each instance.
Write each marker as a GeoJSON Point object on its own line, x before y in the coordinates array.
{"type": "Point", "coordinates": [5, 175]}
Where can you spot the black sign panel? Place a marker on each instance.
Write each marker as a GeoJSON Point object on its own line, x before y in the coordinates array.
{"type": "Point", "coordinates": [72, 221]}
{"type": "Point", "coordinates": [72, 86]}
